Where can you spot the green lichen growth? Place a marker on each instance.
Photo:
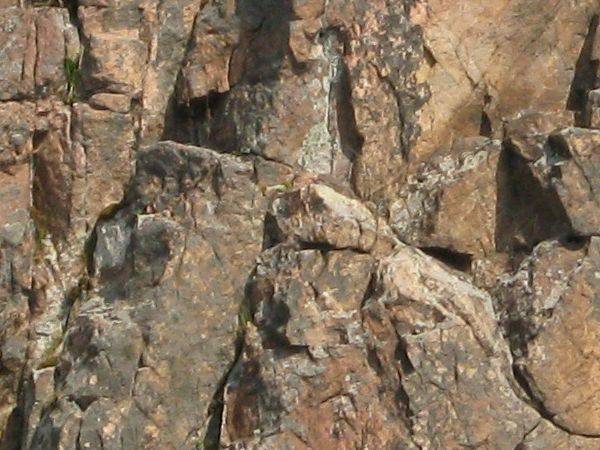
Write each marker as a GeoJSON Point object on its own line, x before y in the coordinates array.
{"type": "Point", "coordinates": [42, 230]}
{"type": "Point", "coordinates": [72, 78]}
{"type": "Point", "coordinates": [75, 293]}
{"type": "Point", "coordinates": [286, 186]}
{"type": "Point", "coordinates": [245, 316]}
{"type": "Point", "coordinates": [50, 357]}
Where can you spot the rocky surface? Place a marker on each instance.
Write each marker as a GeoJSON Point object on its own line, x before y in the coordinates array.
{"type": "Point", "coordinates": [307, 224]}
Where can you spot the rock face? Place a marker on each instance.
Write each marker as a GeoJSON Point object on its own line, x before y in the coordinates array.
{"type": "Point", "coordinates": [306, 224]}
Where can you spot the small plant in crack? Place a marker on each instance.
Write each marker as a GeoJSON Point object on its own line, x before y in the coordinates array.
{"type": "Point", "coordinates": [245, 316]}
{"type": "Point", "coordinates": [72, 77]}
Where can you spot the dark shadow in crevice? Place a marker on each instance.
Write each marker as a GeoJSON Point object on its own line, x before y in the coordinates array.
{"type": "Point", "coordinates": [451, 258]}
{"type": "Point", "coordinates": [528, 209]}
{"type": "Point", "coordinates": [401, 355]}
{"type": "Point", "coordinates": [350, 138]}
{"type": "Point", "coordinates": [556, 150]}
{"type": "Point", "coordinates": [586, 70]}
{"type": "Point", "coordinates": [192, 123]}
{"type": "Point", "coordinates": [13, 431]}
{"type": "Point", "coordinates": [51, 198]}
{"type": "Point", "coordinates": [272, 234]}
{"type": "Point", "coordinates": [257, 58]}
{"type": "Point", "coordinates": [520, 376]}
{"type": "Point", "coordinates": [485, 125]}
{"type": "Point", "coordinates": [574, 242]}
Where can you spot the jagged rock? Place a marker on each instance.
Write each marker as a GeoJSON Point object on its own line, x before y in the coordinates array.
{"type": "Point", "coordinates": [107, 140]}
{"type": "Point", "coordinates": [206, 67]}
{"type": "Point", "coordinates": [170, 25]}
{"type": "Point", "coordinates": [318, 215]}
{"type": "Point", "coordinates": [16, 260]}
{"type": "Point", "coordinates": [435, 335]}
{"type": "Point", "coordinates": [552, 324]}
{"type": "Point", "coordinates": [480, 57]}
{"type": "Point", "coordinates": [572, 153]}
{"type": "Point", "coordinates": [133, 311]}
{"type": "Point", "coordinates": [304, 379]}
{"type": "Point", "coordinates": [34, 44]}
{"type": "Point", "coordinates": [451, 202]}
{"type": "Point", "coordinates": [144, 352]}
{"type": "Point", "coordinates": [16, 132]}
{"type": "Point", "coordinates": [115, 55]}
{"type": "Point", "coordinates": [527, 132]}
{"type": "Point", "coordinates": [313, 358]}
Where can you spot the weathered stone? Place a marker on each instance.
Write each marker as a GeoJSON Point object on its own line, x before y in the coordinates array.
{"type": "Point", "coordinates": [573, 153]}
{"type": "Point", "coordinates": [114, 56]}
{"type": "Point", "coordinates": [318, 215]}
{"type": "Point", "coordinates": [107, 140]}
{"type": "Point", "coordinates": [170, 25]}
{"type": "Point", "coordinates": [16, 132]}
{"type": "Point", "coordinates": [16, 259]}
{"type": "Point", "coordinates": [206, 67]}
{"type": "Point", "coordinates": [308, 9]}
{"type": "Point", "coordinates": [451, 202]}
{"type": "Point", "coordinates": [17, 46]}
{"type": "Point", "coordinates": [435, 336]}
{"type": "Point", "coordinates": [480, 59]}
{"type": "Point", "coordinates": [188, 211]}
{"type": "Point", "coordinates": [114, 102]}
{"type": "Point", "coordinates": [303, 380]}
{"type": "Point", "coordinates": [554, 329]}
{"type": "Point", "coordinates": [34, 44]}
{"type": "Point", "coordinates": [134, 312]}
{"type": "Point", "coordinates": [527, 132]}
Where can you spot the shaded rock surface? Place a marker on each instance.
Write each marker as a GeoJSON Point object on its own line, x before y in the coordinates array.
{"type": "Point", "coordinates": [307, 224]}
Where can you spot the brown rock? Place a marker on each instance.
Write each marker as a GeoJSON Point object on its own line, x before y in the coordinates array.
{"type": "Point", "coordinates": [303, 380]}
{"type": "Point", "coordinates": [318, 215]}
{"type": "Point", "coordinates": [113, 60]}
{"type": "Point", "coordinates": [572, 153]}
{"type": "Point", "coordinates": [113, 102]}
{"type": "Point", "coordinates": [480, 59]}
{"type": "Point", "coordinates": [451, 202]}
{"type": "Point", "coordinates": [206, 67]}
{"type": "Point", "coordinates": [17, 41]}
{"type": "Point", "coordinates": [17, 124]}
{"type": "Point", "coordinates": [136, 308]}
{"type": "Point", "coordinates": [189, 211]}
{"type": "Point", "coordinates": [527, 132]}
{"type": "Point", "coordinates": [308, 9]}
{"type": "Point", "coordinates": [558, 362]}
{"type": "Point", "coordinates": [440, 335]}
{"type": "Point", "coordinates": [107, 140]}
{"type": "Point", "coordinates": [34, 44]}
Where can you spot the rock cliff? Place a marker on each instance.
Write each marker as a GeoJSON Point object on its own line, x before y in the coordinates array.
{"type": "Point", "coordinates": [299, 224]}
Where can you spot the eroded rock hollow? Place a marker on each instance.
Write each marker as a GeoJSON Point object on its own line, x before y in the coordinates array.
{"type": "Point", "coordinates": [299, 224]}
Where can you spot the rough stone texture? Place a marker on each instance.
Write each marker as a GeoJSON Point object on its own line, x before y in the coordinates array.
{"type": "Point", "coordinates": [318, 215]}
{"type": "Point", "coordinates": [308, 224]}
{"type": "Point", "coordinates": [189, 211]}
{"type": "Point", "coordinates": [551, 320]}
{"type": "Point", "coordinates": [481, 56]}
{"type": "Point", "coordinates": [449, 190]}
{"type": "Point", "coordinates": [573, 152]}
{"type": "Point", "coordinates": [33, 46]}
